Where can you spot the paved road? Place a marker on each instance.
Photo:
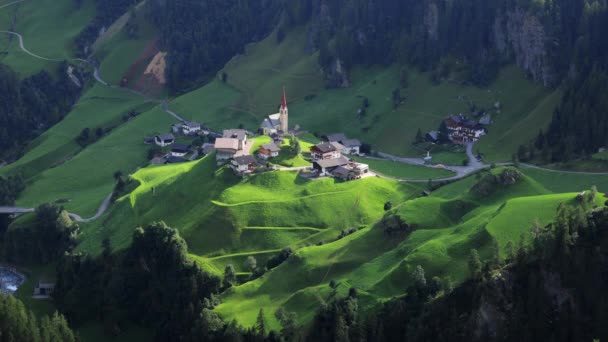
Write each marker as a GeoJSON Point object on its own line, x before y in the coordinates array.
{"type": "Point", "coordinates": [102, 209]}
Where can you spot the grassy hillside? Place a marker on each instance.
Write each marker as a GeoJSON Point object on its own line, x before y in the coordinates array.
{"type": "Point", "coordinates": [447, 225]}
{"type": "Point", "coordinates": [48, 28]}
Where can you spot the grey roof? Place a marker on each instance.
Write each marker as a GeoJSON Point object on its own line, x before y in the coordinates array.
{"type": "Point", "coordinates": [351, 143]}
{"type": "Point", "coordinates": [165, 137]}
{"type": "Point", "coordinates": [208, 148]}
{"type": "Point", "coordinates": [485, 120]}
{"type": "Point", "coordinates": [328, 163]}
{"type": "Point", "coordinates": [325, 147]}
{"type": "Point", "coordinates": [341, 171]}
{"type": "Point", "coordinates": [337, 145]}
{"type": "Point", "coordinates": [336, 137]}
{"type": "Point", "coordinates": [183, 148]}
{"type": "Point", "coordinates": [272, 147]}
{"type": "Point", "coordinates": [245, 160]}
{"type": "Point", "coordinates": [235, 133]}
{"type": "Point", "coordinates": [433, 134]}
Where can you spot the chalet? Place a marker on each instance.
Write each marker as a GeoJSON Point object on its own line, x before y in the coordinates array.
{"type": "Point", "coordinates": [239, 134]}
{"type": "Point", "coordinates": [339, 147]}
{"type": "Point", "coordinates": [270, 150]}
{"type": "Point", "coordinates": [207, 149]}
{"type": "Point", "coordinates": [226, 148]}
{"type": "Point", "coordinates": [163, 140]}
{"type": "Point", "coordinates": [190, 127]}
{"type": "Point", "coordinates": [243, 165]}
{"type": "Point", "coordinates": [350, 171]}
{"type": "Point", "coordinates": [179, 150]}
{"type": "Point", "coordinates": [351, 146]}
{"type": "Point", "coordinates": [462, 130]}
{"type": "Point", "coordinates": [324, 151]}
{"type": "Point", "coordinates": [326, 166]}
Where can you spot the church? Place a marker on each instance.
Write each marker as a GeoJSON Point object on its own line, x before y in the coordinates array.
{"type": "Point", "coordinates": [277, 123]}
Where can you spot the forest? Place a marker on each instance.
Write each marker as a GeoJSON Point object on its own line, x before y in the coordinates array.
{"type": "Point", "coordinates": [31, 105]}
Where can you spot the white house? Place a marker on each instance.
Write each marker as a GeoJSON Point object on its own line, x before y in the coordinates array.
{"type": "Point", "coordinates": [243, 164]}
{"type": "Point", "coordinates": [351, 146]}
{"type": "Point", "coordinates": [270, 150]}
{"type": "Point", "coordinates": [324, 151]}
{"type": "Point", "coordinates": [239, 134]}
{"type": "Point", "coordinates": [163, 140]}
{"type": "Point", "coordinates": [226, 148]}
{"type": "Point", "coordinates": [191, 127]}
{"type": "Point", "coordinates": [179, 150]}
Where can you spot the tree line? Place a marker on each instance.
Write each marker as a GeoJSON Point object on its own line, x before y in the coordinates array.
{"type": "Point", "coordinates": [31, 105]}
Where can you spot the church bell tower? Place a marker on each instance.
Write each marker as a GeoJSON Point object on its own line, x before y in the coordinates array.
{"type": "Point", "coordinates": [284, 115]}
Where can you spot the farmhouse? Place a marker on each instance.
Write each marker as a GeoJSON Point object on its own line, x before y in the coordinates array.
{"type": "Point", "coordinates": [270, 150]}
{"type": "Point", "coordinates": [432, 136]}
{"type": "Point", "coordinates": [190, 127]}
{"type": "Point", "coordinates": [350, 171]}
{"type": "Point", "coordinates": [179, 150]}
{"type": "Point", "coordinates": [243, 165]}
{"type": "Point", "coordinates": [163, 140]}
{"type": "Point", "coordinates": [324, 151]}
{"type": "Point", "coordinates": [344, 144]}
{"type": "Point", "coordinates": [326, 166]}
{"type": "Point", "coordinates": [462, 130]}
{"type": "Point", "coordinates": [44, 289]}
{"type": "Point", "coordinates": [277, 123]}
{"type": "Point", "coordinates": [207, 148]}
{"type": "Point", "coordinates": [226, 148]}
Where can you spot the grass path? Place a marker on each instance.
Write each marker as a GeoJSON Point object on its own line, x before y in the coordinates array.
{"type": "Point", "coordinates": [280, 201]}
{"type": "Point", "coordinates": [244, 254]}
{"type": "Point", "coordinates": [285, 228]}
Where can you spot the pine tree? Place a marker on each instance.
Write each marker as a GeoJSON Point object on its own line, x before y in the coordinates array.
{"type": "Point", "coordinates": [260, 326]}
{"type": "Point", "coordinates": [474, 264]}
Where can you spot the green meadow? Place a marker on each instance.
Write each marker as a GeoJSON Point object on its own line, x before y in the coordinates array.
{"type": "Point", "coordinates": [403, 171]}
{"type": "Point", "coordinates": [43, 32]}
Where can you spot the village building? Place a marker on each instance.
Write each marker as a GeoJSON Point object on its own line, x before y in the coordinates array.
{"type": "Point", "coordinates": [269, 150]}
{"type": "Point", "coordinates": [324, 167]}
{"type": "Point", "coordinates": [163, 140]}
{"type": "Point", "coordinates": [351, 146]}
{"type": "Point", "coordinates": [277, 123]}
{"type": "Point", "coordinates": [351, 171]}
{"type": "Point", "coordinates": [179, 150]}
{"type": "Point", "coordinates": [339, 147]}
{"type": "Point", "coordinates": [432, 136]}
{"type": "Point", "coordinates": [44, 290]}
{"type": "Point", "coordinates": [336, 137]}
{"type": "Point", "coordinates": [462, 130]}
{"type": "Point", "coordinates": [190, 127]}
{"type": "Point", "coordinates": [324, 151]}
{"type": "Point", "coordinates": [243, 165]}
{"type": "Point", "coordinates": [226, 148]}
{"type": "Point", "coordinates": [239, 134]}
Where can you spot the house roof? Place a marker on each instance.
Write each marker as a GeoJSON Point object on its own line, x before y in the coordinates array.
{"type": "Point", "coordinates": [191, 124]}
{"type": "Point", "coordinates": [433, 134]}
{"type": "Point", "coordinates": [240, 134]}
{"type": "Point", "coordinates": [328, 163]}
{"type": "Point", "coordinates": [341, 171]}
{"type": "Point", "coordinates": [272, 147]}
{"type": "Point", "coordinates": [336, 137]}
{"type": "Point", "coordinates": [324, 147]}
{"type": "Point", "coordinates": [245, 160]}
{"type": "Point", "coordinates": [337, 145]}
{"type": "Point", "coordinates": [226, 144]}
{"type": "Point", "coordinates": [180, 148]}
{"type": "Point", "coordinates": [165, 137]}
{"type": "Point", "coordinates": [485, 120]}
{"type": "Point", "coordinates": [351, 143]}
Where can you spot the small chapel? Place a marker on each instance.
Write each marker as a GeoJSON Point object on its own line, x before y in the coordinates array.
{"type": "Point", "coordinates": [277, 123]}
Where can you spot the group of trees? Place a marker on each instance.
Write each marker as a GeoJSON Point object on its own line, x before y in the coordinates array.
{"type": "Point", "coordinates": [42, 238]}
{"type": "Point", "coordinates": [152, 283]}
{"type": "Point", "coordinates": [19, 324]}
{"type": "Point", "coordinates": [31, 105]}
{"type": "Point", "coordinates": [201, 36]}
{"type": "Point", "coordinates": [10, 188]}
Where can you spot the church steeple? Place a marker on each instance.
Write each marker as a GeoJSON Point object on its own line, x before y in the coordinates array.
{"type": "Point", "coordinates": [284, 114]}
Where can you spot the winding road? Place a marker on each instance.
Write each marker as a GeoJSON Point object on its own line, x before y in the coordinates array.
{"type": "Point", "coordinates": [461, 171]}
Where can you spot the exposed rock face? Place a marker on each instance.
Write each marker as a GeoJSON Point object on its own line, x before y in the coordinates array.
{"type": "Point", "coordinates": [336, 76]}
{"type": "Point", "coordinates": [431, 21]}
{"type": "Point", "coordinates": [321, 22]}
{"type": "Point", "coordinates": [522, 36]}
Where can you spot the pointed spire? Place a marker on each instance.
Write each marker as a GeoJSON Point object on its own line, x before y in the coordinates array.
{"type": "Point", "coordinates": [284, 101]}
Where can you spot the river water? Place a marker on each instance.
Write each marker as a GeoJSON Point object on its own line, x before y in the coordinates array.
{"type": "Point", "coordinates": [10, 280]}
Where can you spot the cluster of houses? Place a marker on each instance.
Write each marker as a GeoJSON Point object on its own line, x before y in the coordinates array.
{"type": "Point", "coordinates": [329, 160]}
{"type": "Point", "coordinates": [461, 129]}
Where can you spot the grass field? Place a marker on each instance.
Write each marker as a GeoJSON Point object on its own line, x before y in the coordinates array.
{"type": "Point", "coordinates": [403, 171]}
{"type": "Point", "coordinates": [48, 28]}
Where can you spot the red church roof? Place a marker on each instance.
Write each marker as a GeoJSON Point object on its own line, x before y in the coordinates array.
{"type": "Point", "coordinates": [284, 101]}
